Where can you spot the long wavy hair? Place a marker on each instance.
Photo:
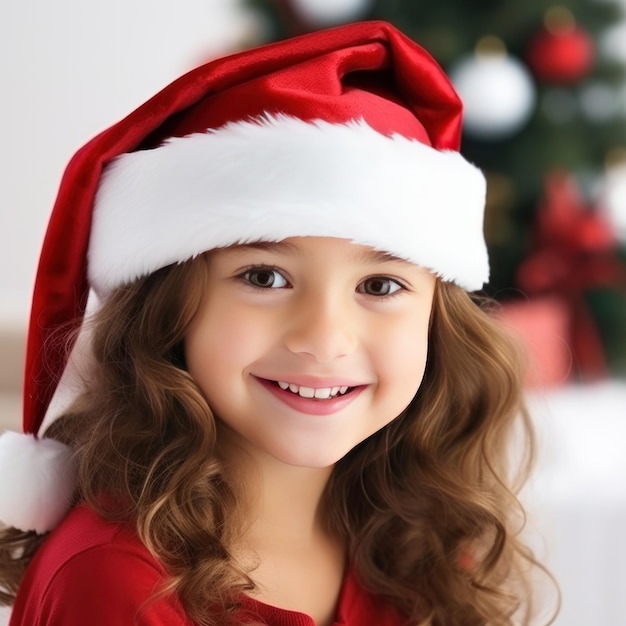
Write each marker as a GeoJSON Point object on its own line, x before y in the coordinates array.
{"type": "Point", "coordinates": [426, 506]}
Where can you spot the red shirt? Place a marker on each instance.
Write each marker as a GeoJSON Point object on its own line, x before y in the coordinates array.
{"type": "Point", "coordinates": [91, 572]}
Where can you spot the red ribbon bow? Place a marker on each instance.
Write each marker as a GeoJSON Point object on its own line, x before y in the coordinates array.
{"type": "Point", "coordinates": [573, 250]}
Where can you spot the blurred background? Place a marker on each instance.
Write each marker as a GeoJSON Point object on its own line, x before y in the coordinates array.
{"type": "Point", "coordinates": [544, 88]}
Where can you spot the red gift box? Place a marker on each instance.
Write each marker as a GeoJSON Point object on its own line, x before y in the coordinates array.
{"type": "Point", "coordinates": [543, 327]}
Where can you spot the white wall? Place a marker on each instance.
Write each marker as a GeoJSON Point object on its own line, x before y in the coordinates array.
{"type": "Point", "coordinates": [68, 69]}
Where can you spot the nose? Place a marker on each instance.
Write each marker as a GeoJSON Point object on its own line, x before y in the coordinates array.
{"type": "Point", "coordinates": [323, 327]}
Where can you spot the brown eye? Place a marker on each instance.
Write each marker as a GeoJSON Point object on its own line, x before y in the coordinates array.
{"type": "Point", "coordinates": [379, 286]}
{"type": "Point", "coordinates": [265, 278]}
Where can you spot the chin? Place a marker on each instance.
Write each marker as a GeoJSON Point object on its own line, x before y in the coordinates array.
{"type": "Point", "coordinates": [309, 459]}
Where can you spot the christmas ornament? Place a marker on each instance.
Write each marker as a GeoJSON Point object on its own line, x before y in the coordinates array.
{"type": "Point", "coordinates": [496, 89]}
{"type": "Point", "coordinates": [613, 43]}
{"type": "Point", "coordinates": [599, 102]}
{"type": "Point", "coordinates": [320, 13]}
{"type": "Point", "coordinates": [561, 52]}
{"type": "Point", "coordinates": [614, 192]}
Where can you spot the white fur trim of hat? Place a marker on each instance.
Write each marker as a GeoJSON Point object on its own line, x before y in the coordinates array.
{"type": "Point", "coordinates": [279, 177]}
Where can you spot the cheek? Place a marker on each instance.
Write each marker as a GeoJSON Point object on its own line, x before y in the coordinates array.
{"type": "Point", "coordinates": [402, 357]}
{"type": "Point", "coordinates": [223, 341]}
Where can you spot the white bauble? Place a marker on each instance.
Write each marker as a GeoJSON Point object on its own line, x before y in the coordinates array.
{"type": "Point", "coordinates": [329, 12]}
{"type": "Point", "coordinates": [614, 198]}
{"type": "Point", "coordinates": [613, 42]}
{"type": "Point", "coordinates": [497, 91]}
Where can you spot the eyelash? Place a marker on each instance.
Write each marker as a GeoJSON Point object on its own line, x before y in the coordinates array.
{"type": "Point", "coordinates": [246, 274]}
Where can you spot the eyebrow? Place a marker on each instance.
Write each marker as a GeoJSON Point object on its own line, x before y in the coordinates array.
{"type": "Point", "coordinates": [284, 247]}
{"type": "Point", "coordinates": [367, 255]}
{"type": "Point", "coordinates": [380, 256]}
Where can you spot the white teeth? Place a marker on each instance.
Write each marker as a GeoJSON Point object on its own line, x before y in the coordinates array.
{"type": "Point", "coordinates": [323, 393]}
{"type": "Point", "coordinates": [307, 392]}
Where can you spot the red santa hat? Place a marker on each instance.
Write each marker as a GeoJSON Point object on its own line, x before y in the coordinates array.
{"type": "Point", "coordinates": [352, 132]}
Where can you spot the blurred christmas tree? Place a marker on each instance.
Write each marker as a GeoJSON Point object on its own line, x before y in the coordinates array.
{"type": "Point", "coordinates": [545, 118]}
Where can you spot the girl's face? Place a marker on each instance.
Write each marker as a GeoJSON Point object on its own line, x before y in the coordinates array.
{"type": "Point", "coordinates": [306, 347]}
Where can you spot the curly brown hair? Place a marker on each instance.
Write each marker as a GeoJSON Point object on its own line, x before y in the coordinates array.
{"type": "Point", "coordinates": [426, 506]}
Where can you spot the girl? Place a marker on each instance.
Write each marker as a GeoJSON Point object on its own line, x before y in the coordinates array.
{"type": "Point", "coordinates": [283, 407]}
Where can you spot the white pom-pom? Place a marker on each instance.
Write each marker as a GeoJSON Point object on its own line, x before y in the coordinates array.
{"type": "Point", "coordinates": [37, 482]}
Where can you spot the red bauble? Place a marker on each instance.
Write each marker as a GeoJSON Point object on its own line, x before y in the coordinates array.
{"type": "Point", "coordinates": [561, 55]}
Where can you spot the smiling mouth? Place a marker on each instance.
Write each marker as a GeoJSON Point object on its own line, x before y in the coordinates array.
{"type": "Point", "coordinates": [321, 393]}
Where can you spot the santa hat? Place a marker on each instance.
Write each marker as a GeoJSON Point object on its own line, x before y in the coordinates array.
{"type": "Point", "coordinates": [352, 132]}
